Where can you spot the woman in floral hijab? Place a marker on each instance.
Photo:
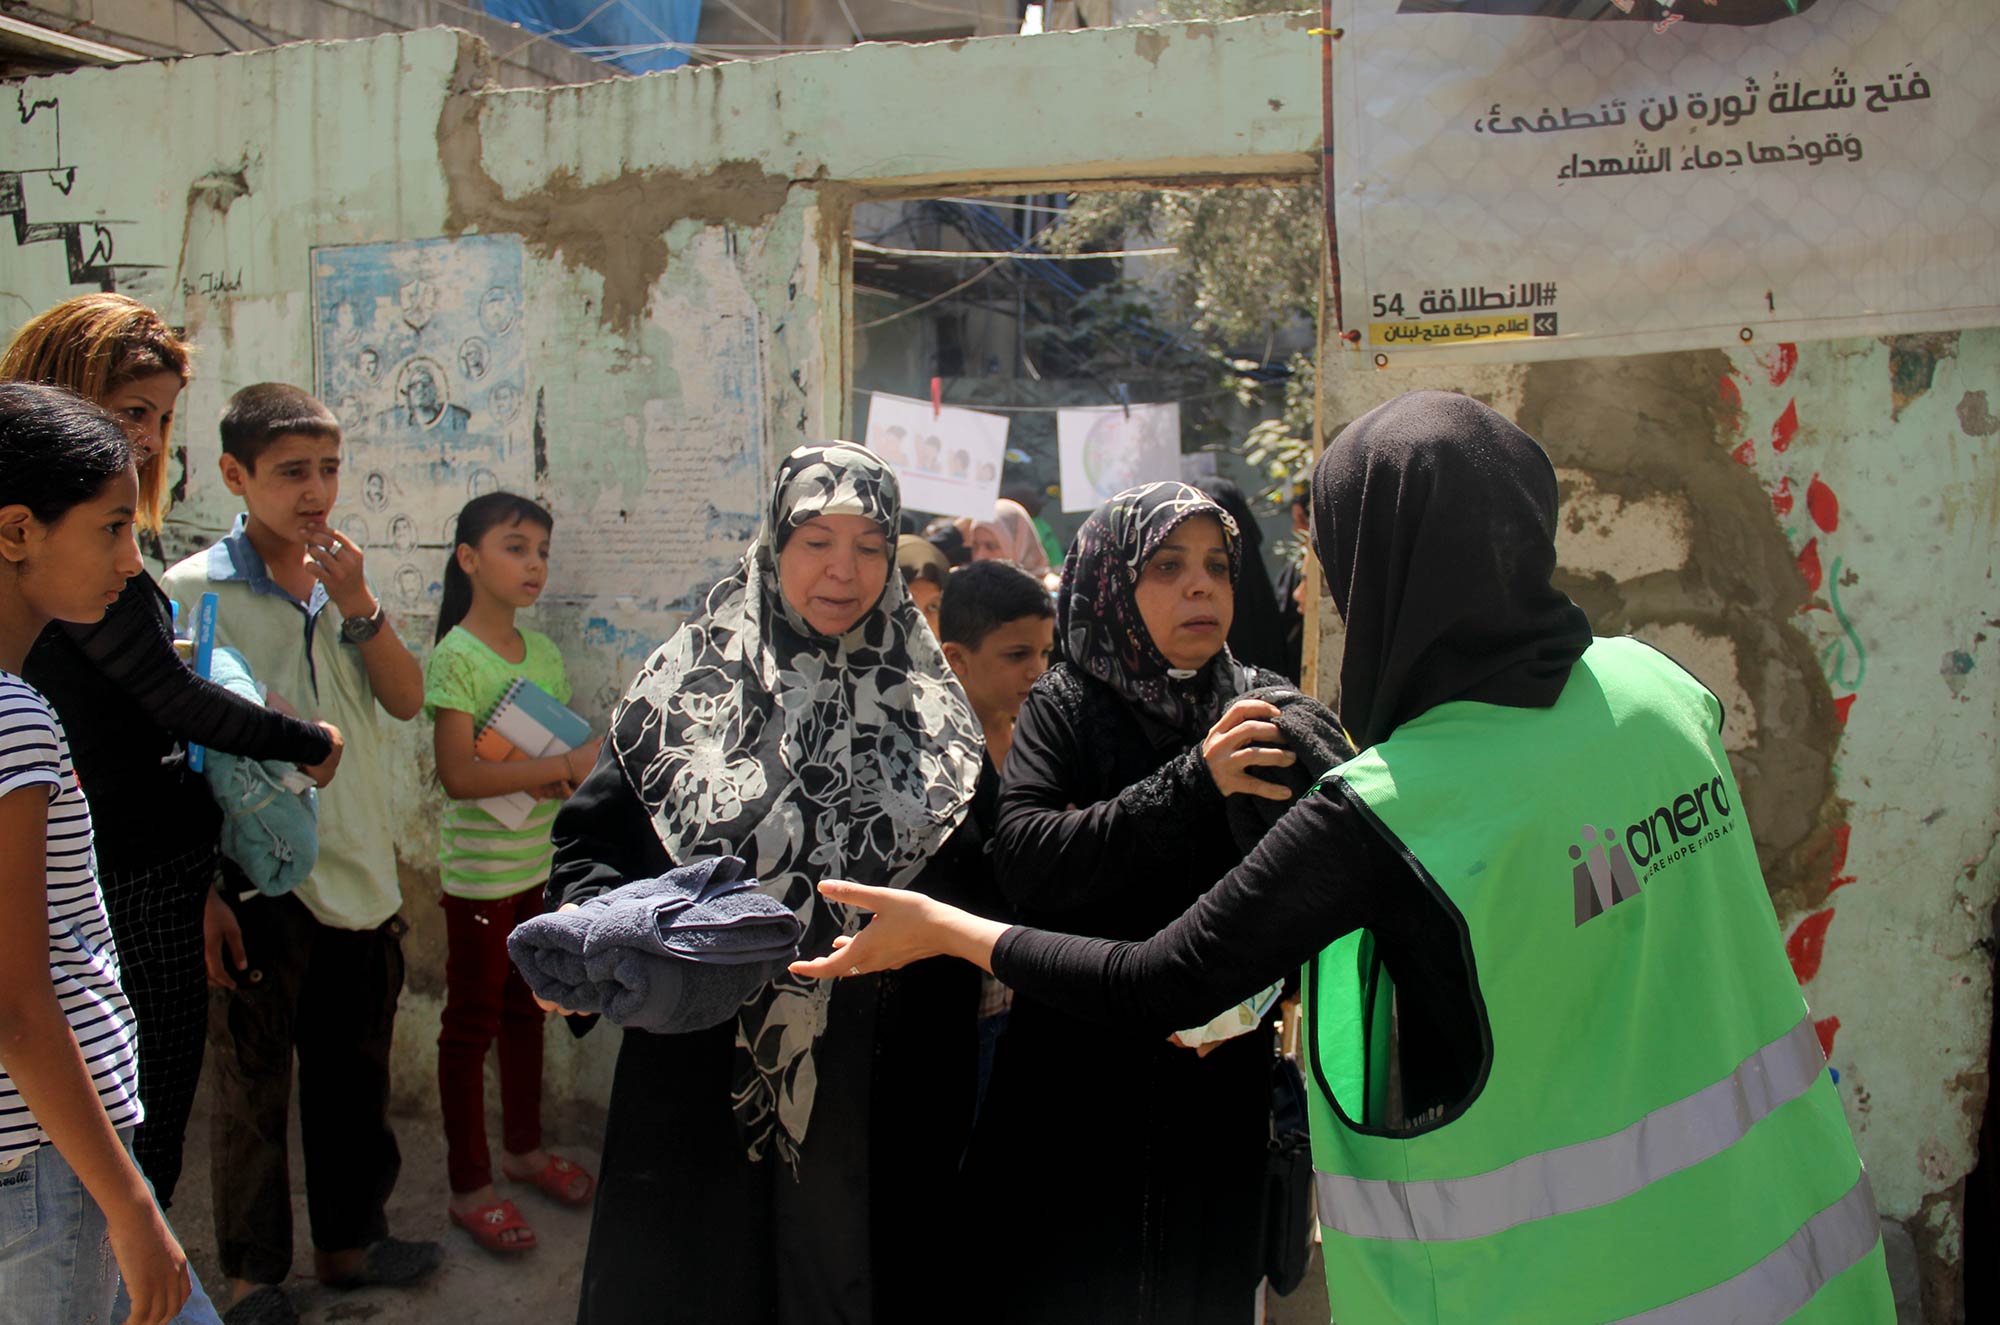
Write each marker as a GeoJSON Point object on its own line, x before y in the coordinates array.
{"type": "Point", "coordinates": [806, 721]}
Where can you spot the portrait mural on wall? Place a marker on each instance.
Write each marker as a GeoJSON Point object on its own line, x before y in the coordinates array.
{"type": "Point", "coordinates": [420, 345]}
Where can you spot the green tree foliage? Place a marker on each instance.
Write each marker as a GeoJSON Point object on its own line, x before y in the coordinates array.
{"type": "Point", "coordinates": [1247, 270]}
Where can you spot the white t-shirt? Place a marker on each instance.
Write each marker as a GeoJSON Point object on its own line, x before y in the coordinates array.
{"type": "Point", "coordinates": [83, 962]}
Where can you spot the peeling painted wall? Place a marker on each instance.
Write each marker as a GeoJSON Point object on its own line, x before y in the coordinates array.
{"type": "Point", "coordinates": [1810, 529]}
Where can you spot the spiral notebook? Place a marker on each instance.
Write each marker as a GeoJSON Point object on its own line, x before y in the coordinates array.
{"type": "Point", "coordinates": [527, 723]}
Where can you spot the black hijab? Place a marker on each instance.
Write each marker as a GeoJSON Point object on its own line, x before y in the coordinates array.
{"type": "Point", "coordinates": [1435, 519]}
{"type": "Point", "coordinates": [1256, 634]}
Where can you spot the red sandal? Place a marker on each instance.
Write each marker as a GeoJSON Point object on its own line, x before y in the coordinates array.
{"type": "Point", "coordinates": [490, 1226]}
{"type": "Point", "coordinates": [562, 1181]}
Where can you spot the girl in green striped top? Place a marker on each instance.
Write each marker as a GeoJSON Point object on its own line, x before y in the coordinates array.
{"type": "Point", "coordinates": [492, 875]}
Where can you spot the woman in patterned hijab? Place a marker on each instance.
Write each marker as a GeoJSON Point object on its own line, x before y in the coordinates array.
{"type": "Point", "coordinates": [805, 720]}
{"type": "Point", "coordinates": [1114, 816]}
{"type": "Point", "coordinates": [1099, 627]}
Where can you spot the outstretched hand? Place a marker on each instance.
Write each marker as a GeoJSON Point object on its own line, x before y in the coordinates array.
{"type": "Point", "coordinates": [905, 927]}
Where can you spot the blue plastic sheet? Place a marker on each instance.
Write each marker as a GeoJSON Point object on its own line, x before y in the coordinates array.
{"type": "Point", "coordinates": [630, 34]}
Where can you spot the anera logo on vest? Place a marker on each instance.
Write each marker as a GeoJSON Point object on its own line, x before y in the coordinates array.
{"type": "Point", "coordinates": [1604, 875]}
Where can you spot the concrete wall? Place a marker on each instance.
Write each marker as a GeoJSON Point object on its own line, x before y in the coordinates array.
{"type": "Point", "coordinates": [683, 318]}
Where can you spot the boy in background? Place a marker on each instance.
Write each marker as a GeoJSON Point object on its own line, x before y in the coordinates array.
{"type": "Point", "coordinates": [998, 628]}
{"type": "Point", "coordinates": [316, 971]}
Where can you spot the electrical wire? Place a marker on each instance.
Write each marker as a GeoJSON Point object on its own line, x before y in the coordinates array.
{"type": "Point", "coordinates": [612, 70]}
{"type": "Point", "coordinates": [936, 298]}
{"type": "Point", "coordinates": [1197, 398]}
{"type": "Point", "coordinates": [220, 36]}
{"type": "Point", "coordinates": [1018, 256]}
{"type": "Point", "coordinates": [584, 22]}
{"type": "Point", "coordinates": [852, 26]}
{"type": "Point", "coordinates": [217, 7]}
{"type": "Point", "coordinates": [954, 10]}
{"type": "Point", "coordinates": [1008, 206]}
{"type": "Point", "coordinates": [746, 16]}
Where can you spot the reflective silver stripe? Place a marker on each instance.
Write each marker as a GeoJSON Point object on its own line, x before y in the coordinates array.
{"type": "Point", "coordinates": [1585, 1175]}
{"type": "Point", "coordinates": [1783, 1282]}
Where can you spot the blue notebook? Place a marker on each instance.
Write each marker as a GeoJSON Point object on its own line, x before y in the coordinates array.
{"type": "Point", "coordinates": [536, 722]}
{"type": "Point", "coordinates": [527, 723]}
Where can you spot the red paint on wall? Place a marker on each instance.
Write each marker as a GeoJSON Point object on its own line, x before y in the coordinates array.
{"type": "Point", "coordinates": [1786, 428]}
{"type": "Point", "coordinates": [1809, 570]}
{"type": "Point", "coordinates": [1745, 453]}
{"type": "Point", "coordinates": [1826, 1030]}
{"type": "Point", "coordinates": [1732, 403]}
{"type": "Point", "coordinates": [1781, 497]}
{"type": "Point", "coordinates": [1842, 707]}
{"type": "Point", "coordinates": [1807, 945]}
{"type": "Point", "coordinates": [1781, 363]}
{"type": "Point", "coordinates": [1825, 507]}
{"type": "Point", "coordinates": [1840, 838]}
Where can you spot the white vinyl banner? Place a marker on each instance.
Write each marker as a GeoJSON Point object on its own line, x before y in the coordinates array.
{"type": "Point", "coordinates": [946, 459]}
{"type": "Point", "coordinates": [1537, 179]}
{"type": "Point", "coordinates": [1101, 451]}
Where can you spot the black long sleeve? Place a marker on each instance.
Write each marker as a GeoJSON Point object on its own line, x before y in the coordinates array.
{"type": "Point", "coordinates": [126, 700]}
{"type": "Point", "coordinates": [603, 840]}
{"type": "Point", "coordinates": [603, 837]}
{"type": "Point", "coordinates": [134, 650]}
{"type": "Point", "coordinates": [1322, 872]}
{"type": "Point", "coordinates": [1057, 856]}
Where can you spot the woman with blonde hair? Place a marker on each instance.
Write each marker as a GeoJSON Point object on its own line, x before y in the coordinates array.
{"type": "Point", "coordinates": [131, 706]}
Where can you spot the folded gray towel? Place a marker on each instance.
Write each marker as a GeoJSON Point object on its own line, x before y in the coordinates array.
{"type": "Point", "coordinates": [1313, 733]}
{"type": "Point", "coordinates": [678, 953]}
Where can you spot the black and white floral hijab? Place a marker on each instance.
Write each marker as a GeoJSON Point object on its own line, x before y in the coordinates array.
{"type": "Point", "coordinates": [749, 733]}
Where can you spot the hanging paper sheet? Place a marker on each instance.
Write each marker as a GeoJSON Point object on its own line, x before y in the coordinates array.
{"type": "Point", "coordinates": [1532, 179]}
{"type": "Point", "coordinates": [1104, 451]}
{"type": "Point", "coordinates": [947, 459]}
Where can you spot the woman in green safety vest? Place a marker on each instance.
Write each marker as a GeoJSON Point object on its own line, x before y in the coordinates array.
{"type": "Point", "coordinates": [1560, 1069]}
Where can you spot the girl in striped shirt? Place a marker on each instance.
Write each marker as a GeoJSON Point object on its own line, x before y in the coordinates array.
{"type": "Point", "coordinates": [492, 875]}
{"type": "Point", "coordinates": [69, 1095]}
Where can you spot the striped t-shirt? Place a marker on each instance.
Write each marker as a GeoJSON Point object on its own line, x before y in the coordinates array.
{"type": "Point", "coordinates": [478, 856]}
{"type": "Point", "coordinates": [83, 962]}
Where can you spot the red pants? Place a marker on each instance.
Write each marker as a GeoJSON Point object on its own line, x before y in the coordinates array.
{"type": "Point", "coordinates": [485, 998]}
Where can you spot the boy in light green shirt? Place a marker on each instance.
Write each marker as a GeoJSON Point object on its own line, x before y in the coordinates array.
{"type": "Point", "coordinates": [316, 972]}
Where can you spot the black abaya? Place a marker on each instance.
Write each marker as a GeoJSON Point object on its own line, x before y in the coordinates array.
{"type": "Point", "coordinates": [686, 1227]}
{"type": "Point", "coordinates": [1121, 1173]}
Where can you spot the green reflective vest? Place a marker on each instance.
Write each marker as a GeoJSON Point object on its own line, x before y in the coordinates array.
{"type": "Point", "coordinates": [1653, 1135]}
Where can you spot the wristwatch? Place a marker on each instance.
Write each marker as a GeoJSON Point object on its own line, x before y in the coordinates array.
{"type": "Point", "coordinates": [359, 630]}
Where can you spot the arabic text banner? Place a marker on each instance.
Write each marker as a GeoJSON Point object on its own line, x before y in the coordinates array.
{"type": "Point", "coordinates": [1547, 184]}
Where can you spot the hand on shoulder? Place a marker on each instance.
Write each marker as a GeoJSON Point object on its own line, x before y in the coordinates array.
{"type": "Point", "coordinates": [1246, 736]}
